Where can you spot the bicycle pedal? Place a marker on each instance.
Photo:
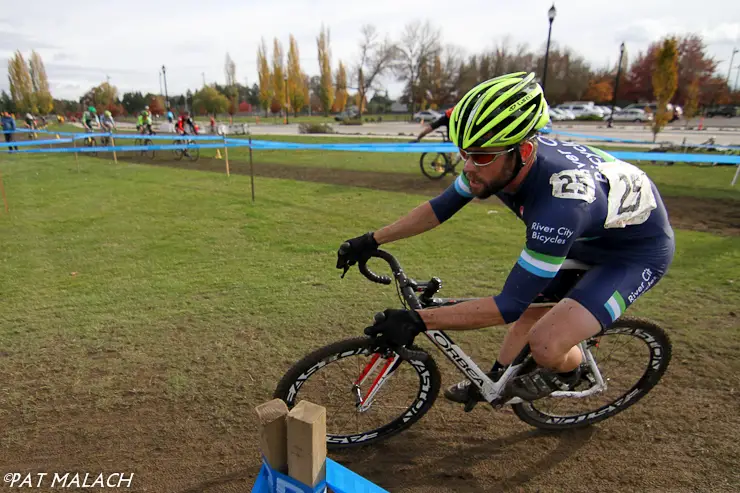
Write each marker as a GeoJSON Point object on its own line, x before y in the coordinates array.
{"type": "Point", "coordinates": [470, 405]}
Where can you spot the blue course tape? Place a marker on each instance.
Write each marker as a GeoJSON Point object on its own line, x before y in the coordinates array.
{"type": "Point", "coordinates": [632, 141]}
{"type": "Point", "coordinates": [127, 148]}
{"type": "Point", "coordinates": [35, 142]}
{"type": "Point", "coordinates": [361, 147]}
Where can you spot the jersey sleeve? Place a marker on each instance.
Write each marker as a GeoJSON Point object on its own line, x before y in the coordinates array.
{"type": "Point", "coordinates": [551, 231]}
{"type": "Point", "coordinates": [454, 198]}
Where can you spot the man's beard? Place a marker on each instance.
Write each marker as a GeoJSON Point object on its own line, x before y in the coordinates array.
{"type": "Point", "coordinates": [498, 184]}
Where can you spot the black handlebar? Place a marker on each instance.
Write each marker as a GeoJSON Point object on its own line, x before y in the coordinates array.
{"type": "Point", "coordinates": [365, 270]}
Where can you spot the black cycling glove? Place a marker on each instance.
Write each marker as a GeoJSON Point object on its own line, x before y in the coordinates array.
{"type": "Point", "coordinates": [397, 327]}
{"type": "Point", "coordinates": [359, 248]}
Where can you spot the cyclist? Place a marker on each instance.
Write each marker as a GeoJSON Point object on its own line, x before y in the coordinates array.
{"type": "Point", "coordinates": [576, 201]}
{"type": "Point", "coordinates": [183, 120]}
{"type": "Point", "coordinates": [107, 123]}
{"type": "Point", "coordinates": [144, 121]}
{"type": "Point", "coordinates": [30, 121]}
{"type": "Point", "coordinates": [443, 120]}
{"type": "Point", "coordinates": [89, 117]}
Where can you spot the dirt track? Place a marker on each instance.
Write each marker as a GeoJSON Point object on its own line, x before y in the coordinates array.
{"type": "Point", "coordinates": [700, 214]}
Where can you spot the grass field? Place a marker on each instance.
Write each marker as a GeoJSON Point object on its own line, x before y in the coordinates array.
{"type": "Point", "coordinates": [147, 310]}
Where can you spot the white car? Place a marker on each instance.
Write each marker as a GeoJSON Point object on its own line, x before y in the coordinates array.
{"type": "Point", "coordinates": [632, 115]}
{"type": "Point", "coordinates": [426, 116]}
{"type": "Point", "coordinates": [556, 115]}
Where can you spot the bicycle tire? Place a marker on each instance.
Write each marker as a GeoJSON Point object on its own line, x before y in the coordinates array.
{"type": "Point", "coordinates": [178, 152]}
{"type": "Point", "coordinates": [428, 167]}
{"type": "Point", "coordinates": [660, 348]}
{"type": "Point", "coordinates": [150, 153]}
{"type": "Point", "coordinates": [90, 142]}
{"type": "Point", "coordinates": [193, 152]}
{"type": "Point", "coordinates": [429, 384]}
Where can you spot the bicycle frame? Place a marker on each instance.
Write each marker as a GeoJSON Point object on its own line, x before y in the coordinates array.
{"type": "Point", "coordinates": [491, 391]}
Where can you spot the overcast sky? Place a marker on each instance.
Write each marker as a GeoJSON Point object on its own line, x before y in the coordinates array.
{"type": "Point", "coordinates": [83, 41]}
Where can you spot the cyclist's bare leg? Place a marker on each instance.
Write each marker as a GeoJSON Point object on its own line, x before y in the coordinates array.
{"type": "Point", "coordinates": [553, 337]}
{"type": "Point", "coordinates": [516, 337]}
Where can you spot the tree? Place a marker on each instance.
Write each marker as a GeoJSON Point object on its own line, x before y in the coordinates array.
{"type": "Point", "coordinates": [340, 101]}
{"type": "Point", "coordinates": [156, 105]}
{"type": "Point", "coordinates": [266, 91]}
{"type": "Point", "coordinates": [691, 105]}
{"type": "Point", "coordinates": [21, 85]}
{"type": "Point", "coordinates": [599, 91]}
{"type": "Point", "coordinates": [209, 101]}
{"type": "Point", "coordinates": [101, 96]}
{"type": "Point", "coordinates": [325, 91]}
{"type": "Point", "coordinates": [133, 102]}
{"type": "Point", "coordinates": [296, 90]}
{"type": "Point", "coordinates": [418, 47]}
{"type": "Point", "coordinates": [44, 101]}
{"type": "Point", "coordinates": [278, 84]}
{"type": "Point", "coordinates": [6, 102]}
{"type": "Point", "coordinates": [665, 80]}
{"type": "Point", "coordinates": [376, 57]}
{"type": "Point", "coordinates": [232, 91]}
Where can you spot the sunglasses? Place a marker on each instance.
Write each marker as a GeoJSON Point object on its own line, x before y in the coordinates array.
{"type": "Point", "coordinates": [483, 158]}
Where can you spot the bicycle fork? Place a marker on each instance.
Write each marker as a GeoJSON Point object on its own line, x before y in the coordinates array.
{"type": "Point", "coordinates": [387, 366]}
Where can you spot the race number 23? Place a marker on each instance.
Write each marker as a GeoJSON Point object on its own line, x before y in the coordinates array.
{"type": "Point", "coordinates": [630, 200]}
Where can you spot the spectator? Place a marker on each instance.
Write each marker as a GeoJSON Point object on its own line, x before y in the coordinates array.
{"type": "Point", "coordinates": [8, 123]}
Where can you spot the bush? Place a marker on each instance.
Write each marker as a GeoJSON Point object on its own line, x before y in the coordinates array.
{"type": "Point", "coordinates": [589, 118]}
{"type": "Point", "coordinates": [347, 121]}
{"type": "Point", "coordinates": [315, 128]}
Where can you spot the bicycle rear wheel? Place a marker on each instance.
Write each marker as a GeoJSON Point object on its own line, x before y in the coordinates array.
{"type": "Point", "coordinates": [434, 165]}
{"type": "Point", "coordinates": [632, 355]}
{"type": "Point", "coordinates": [337, 375]}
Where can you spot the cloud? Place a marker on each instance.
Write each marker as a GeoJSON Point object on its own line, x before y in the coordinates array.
{"type": "Point", "coordinates": [12, 41]}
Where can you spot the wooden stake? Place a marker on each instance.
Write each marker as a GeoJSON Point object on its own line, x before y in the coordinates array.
{"type": "Point", "coordinates": [226, 156]}
{"type": "Point", "coordinates": [2, 189]}
{"type": "Point", "coordinates": [273, 433]}
{"type": "Point", "coordinates": [113, 142]}
{"type": "Point", "coordinates": [307, 443]}
{"type": "Point", "coordinates": [77, 161]}
{"type": "Point", "coordinates": [251, 165]}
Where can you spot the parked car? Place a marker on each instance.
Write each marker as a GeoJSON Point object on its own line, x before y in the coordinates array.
{"type": "Point", "coordinates": [582, 109]}
{"type": "Point", "coordinates": [426, 116]}
{"type": "Point", "coordinates": [556, 115]}
{"type": "Point", "coordinates": [346, 115]}
{"type": "Point", "coordinates": [632, 115]}
{"type": "Point", "coordinates": [725, 110]}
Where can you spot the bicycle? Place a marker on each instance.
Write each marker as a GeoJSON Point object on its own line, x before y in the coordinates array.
{"type": "Point", "coordinates": [192, 153]}
{"type": "Point", "coordinates": [436, 165]}
{"type": "Point", "coordinates": [145, 142]}
{"type": "Point", "coordinates": [420, 381]}
{"type": "Point", "coordinates": [90, 141]}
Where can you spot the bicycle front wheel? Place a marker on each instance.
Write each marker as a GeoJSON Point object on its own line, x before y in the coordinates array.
{"type": "Point", "coordinates": [632, 355]}
{"type": "Point", "coordinates": [342, 376]}
{"type": "Point", "coordinates": [434, 165]}
{"type": "Point", "coordinates": [150, 152]}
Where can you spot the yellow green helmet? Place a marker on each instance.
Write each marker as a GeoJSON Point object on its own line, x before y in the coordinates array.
{"type": "Point", "coordinates": [499, 112]}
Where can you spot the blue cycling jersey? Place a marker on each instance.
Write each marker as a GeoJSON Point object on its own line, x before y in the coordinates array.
{"type": "Point", "coordinates": [575, 200]}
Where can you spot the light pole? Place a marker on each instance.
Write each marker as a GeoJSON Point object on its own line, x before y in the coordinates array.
{"type": "Point", "coordinates": [166, 97]}
{"type": "Point", "coordinates": [732, 58]}
{"type": "Point", "coordinates": [616, 84]}
{"type": "Point", "coordinates": [287, 99]}
{"type": "Point", "coordinates": [551, 17]}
